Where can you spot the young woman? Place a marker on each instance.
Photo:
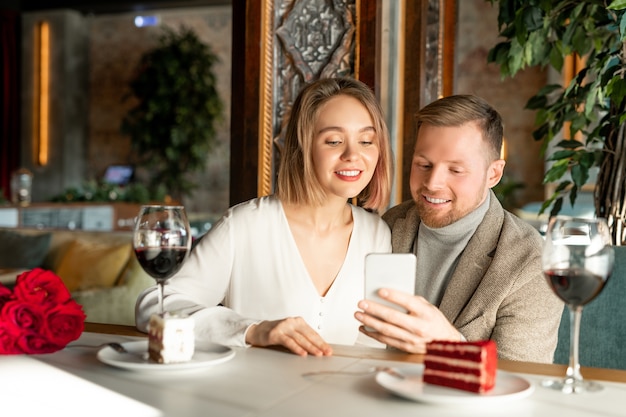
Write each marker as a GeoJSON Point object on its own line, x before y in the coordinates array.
{"type": "Point", "coordinates": [288, 269]}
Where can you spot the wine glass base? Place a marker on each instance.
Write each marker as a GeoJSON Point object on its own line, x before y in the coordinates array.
{"type": "Point", "coordinates": [572, 386]}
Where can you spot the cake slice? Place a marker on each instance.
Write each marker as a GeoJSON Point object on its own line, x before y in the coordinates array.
{"type": "Point", "coordinates": [468, 366]}
{"type": "Point", "coordinates": [171, 338]}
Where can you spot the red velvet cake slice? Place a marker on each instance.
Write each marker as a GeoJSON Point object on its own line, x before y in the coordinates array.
{"type": "Point", "coordinates": [469, 366]}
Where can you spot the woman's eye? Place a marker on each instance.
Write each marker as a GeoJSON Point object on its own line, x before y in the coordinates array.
{"type": "Point", "coordinates": [367, 140]}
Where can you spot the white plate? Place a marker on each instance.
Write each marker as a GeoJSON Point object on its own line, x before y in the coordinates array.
{"type": "Point", "coordinates": [136, 360]}
{"type": "Point", "coordinates": [508, 387]}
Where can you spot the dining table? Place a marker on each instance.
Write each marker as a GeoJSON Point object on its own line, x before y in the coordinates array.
{"type": "Point", "coordinates": [86, 379]}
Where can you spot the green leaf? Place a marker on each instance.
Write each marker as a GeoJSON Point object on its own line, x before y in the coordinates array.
{"type": "Point", "coordinates": [569, 144]}
{"type": "Point", "coordinates": [537, 102]}
{"type": "Point", "coordinates": [562, 186]}
{"type": "Point", "coordinates": [617, 5]}
{"type": "Point", "coordinates": [556, 171]}
{"type": "Point", "coordinates": [580, 41]}
{"type": "Point", "coordinates": [556, 209]}
{"type": "Point", "coordinates": [573, 193]}
{"type": "Point", "coordinates": [622, 27]}
{"type": "Point", "coordinates": [558, 155]}
{"type": "Point", "coordinates": [588, 159]}
{"type": "Point", "coordinates": [556, 59]}
{"type": "Point", "coordinates": [616, 89]}
{"type": "Point", "coordinates": [516, 57]}
{"type": "Point", "coordinates": [578, 124]}
{"type": "Point", "coordinates": [532, 18]}
{"type": "Point", "coordinates": [590, 104]}
{"type": "Point", "coordinates": [580, 174]}
{"type": "Point", "coordinates": [541, 132]}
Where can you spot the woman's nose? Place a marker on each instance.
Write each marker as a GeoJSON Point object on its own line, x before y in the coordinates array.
{"type": "Point", "coordinates": [349, 152]}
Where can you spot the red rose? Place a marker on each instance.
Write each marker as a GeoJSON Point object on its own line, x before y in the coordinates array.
{"type": "Point", "coordinates": [41, 287]}
{"type": "Point", "coordinates": [23, 315]}
{"type": "Point", "coordinates": [64, 323]}
{"type": "Point", "coordinates": [39, 316]}
{"type": "Point", "coordinates": [5, 295]}
{"type": "Point", "coordinates": [8, 339]}
{"type": "Point", "coordinates": [34, 343]}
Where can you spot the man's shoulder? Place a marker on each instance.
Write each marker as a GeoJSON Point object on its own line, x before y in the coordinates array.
{"type": "Point", "coordinates": [398, 212]}
{"type": "Point", "coordinates": [515, 228]}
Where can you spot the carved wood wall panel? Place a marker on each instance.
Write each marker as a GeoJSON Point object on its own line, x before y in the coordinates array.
{"type": "Point", "coordinates": [310, 39]}
{"type": "Point", "coordinates": [432, 59]}
{"type": "Point", "coordinates": [429, 66]}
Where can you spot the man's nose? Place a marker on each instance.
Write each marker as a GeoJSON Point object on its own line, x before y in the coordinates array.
{"type": "Point", "coordinates": [436, 178]}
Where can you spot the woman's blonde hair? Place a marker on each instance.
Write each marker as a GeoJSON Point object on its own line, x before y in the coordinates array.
{"type": "Point", "coordinates": [297, 182]}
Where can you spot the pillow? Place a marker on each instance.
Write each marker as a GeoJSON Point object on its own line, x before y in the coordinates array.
{"type": "Point", "coordinates": [86, 264]}
{"type": "Point", "coordinates": [20, 251]}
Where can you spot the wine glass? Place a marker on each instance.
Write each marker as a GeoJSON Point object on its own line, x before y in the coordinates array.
{"type": "Point", "coordinates": [577, 262]}
{"type": "Point", "coordinates": [162, 241]}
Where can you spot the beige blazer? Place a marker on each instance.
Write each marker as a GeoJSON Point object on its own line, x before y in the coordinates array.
{"type": "Point", "coordinates": [497, 290]}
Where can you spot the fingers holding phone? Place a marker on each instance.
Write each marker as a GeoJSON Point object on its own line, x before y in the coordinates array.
{"type": "Point", "coordinates": [389, 270]}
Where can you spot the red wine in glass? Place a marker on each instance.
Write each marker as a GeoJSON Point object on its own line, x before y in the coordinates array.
{"type": "Point", "coordinates": [161, 240]}
{"type": "Point", "coordinates": [577, 261]}
{"type": "Point", "coordinates": [575, 286]}
{"type": "Point", "coordinates": [161, 263]}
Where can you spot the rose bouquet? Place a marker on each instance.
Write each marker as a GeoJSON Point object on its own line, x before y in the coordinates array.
{"type": "Point", "coordinates": [39, 315]}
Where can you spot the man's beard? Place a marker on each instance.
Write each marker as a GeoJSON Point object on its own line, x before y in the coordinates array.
{"type": "Point", "coordinates": [433, 218]}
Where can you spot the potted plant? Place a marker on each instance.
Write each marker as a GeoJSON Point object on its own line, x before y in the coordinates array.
{"type": "Point", "coordinates": [592, 107]}
{"type": "Point", "coordinates": [172, 126]}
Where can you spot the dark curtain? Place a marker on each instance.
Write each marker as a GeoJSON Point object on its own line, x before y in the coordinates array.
{"type": "Point", "coordinates": [10, 101]}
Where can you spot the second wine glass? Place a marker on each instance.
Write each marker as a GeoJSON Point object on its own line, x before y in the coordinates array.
{"type": "Point", "coordinates": [577, 262]}
{"type": "Point", "coordinates": [162, 241]}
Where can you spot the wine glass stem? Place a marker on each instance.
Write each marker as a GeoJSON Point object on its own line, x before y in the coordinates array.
{"type": "Point", "coordinates": [160, 284]}
{"type": "Point", "coordinates": [573, 375]}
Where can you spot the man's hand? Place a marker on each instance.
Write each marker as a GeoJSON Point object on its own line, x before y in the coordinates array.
{"type": "Point", "coordinates": [293, 333]}
{"type": "Point", "coordinates": [405, 331]}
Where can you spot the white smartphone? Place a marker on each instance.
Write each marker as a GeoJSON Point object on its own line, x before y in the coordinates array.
{"type": "Point", "coordinates": [389, 270]}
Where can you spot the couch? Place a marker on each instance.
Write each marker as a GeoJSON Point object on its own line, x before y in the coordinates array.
{"type": "Point", "coordinates": [99, 268]}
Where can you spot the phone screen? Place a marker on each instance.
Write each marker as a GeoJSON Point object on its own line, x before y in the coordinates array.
{"type": "Point", "coordinates": [389, 270]}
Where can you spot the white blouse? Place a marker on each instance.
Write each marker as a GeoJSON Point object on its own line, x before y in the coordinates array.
{"type": "Point", "coordinates": [249, 262]}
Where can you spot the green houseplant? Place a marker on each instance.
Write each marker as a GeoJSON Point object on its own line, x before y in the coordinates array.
{"type": "Point", "coordinates": [592, 106]}
{"type": "Point", "coordinates": [173, 125]}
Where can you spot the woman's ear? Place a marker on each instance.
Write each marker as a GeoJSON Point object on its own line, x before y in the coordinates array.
{"type": "Point", "coordinates": [495, 172]}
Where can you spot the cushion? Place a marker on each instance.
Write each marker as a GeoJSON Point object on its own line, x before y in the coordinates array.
{"type": "Point", "coordinates": [23, 251]}
{"type": "Point", "coordinates": [86, 264]}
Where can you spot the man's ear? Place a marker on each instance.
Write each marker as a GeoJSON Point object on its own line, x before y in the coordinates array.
{"type": "Point", "coordinates": [495, 172]}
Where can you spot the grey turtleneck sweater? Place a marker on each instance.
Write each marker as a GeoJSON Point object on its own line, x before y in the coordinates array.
{"type": "Point", "coordinates": [438, 251]}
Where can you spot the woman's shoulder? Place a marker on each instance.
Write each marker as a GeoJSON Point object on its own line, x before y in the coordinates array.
{"type": "Point", "coordinates": [366, 218]}
{"type": "Point", "coordinates": [256, 214]}
{"type": "Point", "coordinates": [259, 206]}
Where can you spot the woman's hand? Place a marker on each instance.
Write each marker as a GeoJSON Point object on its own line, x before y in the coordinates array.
{"type": "Point", "coordinates": [293, 333]}
{"type": "Point", "coordinates": [409, 331]}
